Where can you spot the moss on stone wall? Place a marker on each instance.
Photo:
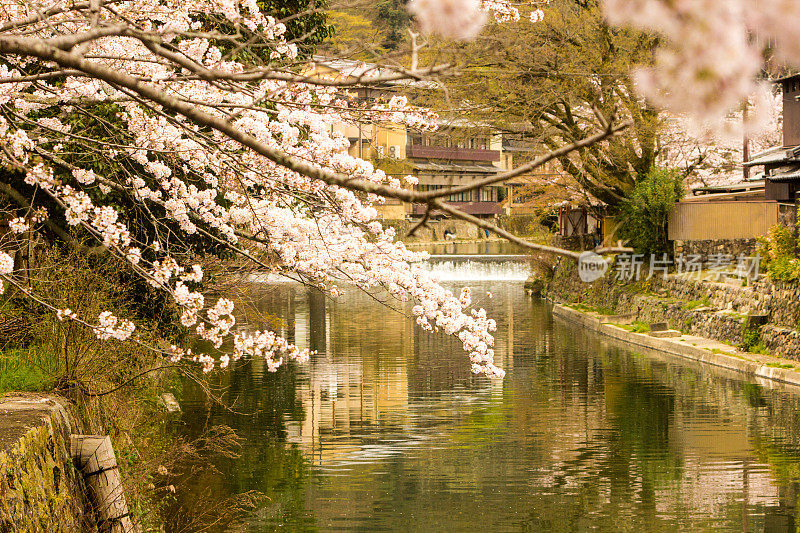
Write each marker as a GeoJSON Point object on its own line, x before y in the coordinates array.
{"type": "Point", "coordinates": [40, 489]}
{"type": "Point", "coordinates": [649, 300]}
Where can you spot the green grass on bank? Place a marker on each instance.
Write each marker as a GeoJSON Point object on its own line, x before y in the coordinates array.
{"type": "Point", "coordinates": [601, 310]}
{"type": "Point", "coordinates": [26, 369]}
{"type": "Point", "coordinates": [694, 304]}
{"type": "Point", "coordinates": [636, 327]}
{"type": "Point", "coordinates": [787, 366]}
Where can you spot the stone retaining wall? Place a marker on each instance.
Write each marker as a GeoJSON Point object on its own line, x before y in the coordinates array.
{"type": "Point", "coordinates": [763, 369]}
{"type": "Point", "coordinates": [735, 247]}
{"type": "Point", "coordinates": [40, 489]}
{"type": "Point", "coordinates": [716, 310]}
{"type": "Point", "coordinates": [434, 230]}
{"type": "Point", "coordinates": [780, 301]}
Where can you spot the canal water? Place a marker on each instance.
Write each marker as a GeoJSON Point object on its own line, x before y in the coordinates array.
{"type": "Point", "coordinates": [385, 429]}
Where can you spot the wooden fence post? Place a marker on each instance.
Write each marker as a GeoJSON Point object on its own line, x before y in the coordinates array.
{"type": "Point", "coordinates": [94, 457]}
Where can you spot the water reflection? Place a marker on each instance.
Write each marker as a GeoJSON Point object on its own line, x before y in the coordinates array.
{"type": "Point", "coordinates": [386, 429]}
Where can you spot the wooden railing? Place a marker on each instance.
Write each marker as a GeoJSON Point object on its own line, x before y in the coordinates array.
{"type": "Point", "coordinates": [451, 153]}
{"type": "Point", "coordinates": [472, 208]}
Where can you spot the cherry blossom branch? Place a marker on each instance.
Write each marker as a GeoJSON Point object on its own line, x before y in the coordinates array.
{"type": "Point", "coordinates": [65, 59]}
{"type": "Point", "coordinates": [485, 224]}
{"type": "Point", "coordinates": [23, 202]}
{"type": "Point", "coordinates": [609, 131]}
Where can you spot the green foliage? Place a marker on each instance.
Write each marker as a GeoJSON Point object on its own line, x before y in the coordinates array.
{"type": "Point", "coordinates": [694, 304]}
{"type": "Point", "coordinates": [310, 29]}
{"type": "Point", "coordinates": [780, 365]}
{"type": "Point", "coordinates": [27, 369]}
{"type": "Point", "coordinates": [637, 326]}
{"type": "Point", "coordinates": [778, 251]}
{"type": "Point", "coordinates": [751, 340]}
{"type": "Point", "coordinates": [784, 269]}
{"type": "Point", "coordinates": [394, 15]}
{"type": "Point", "coordinates": [781, 242]}
{"type": "Point", "coordinates": [646, 210]}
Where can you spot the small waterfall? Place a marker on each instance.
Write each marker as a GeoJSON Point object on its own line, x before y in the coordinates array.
{"type": "Point", "coordinates": [450, 267]}
{"type": "Point", "coordinates": [479, 267]}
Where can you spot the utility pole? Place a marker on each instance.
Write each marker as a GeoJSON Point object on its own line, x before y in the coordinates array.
{"type": "Point", "coordinates": [745, 144]}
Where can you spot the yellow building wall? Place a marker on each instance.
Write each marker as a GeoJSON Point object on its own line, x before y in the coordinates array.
{"type": "Point", "coordinates": [387, 135]}
{"type": "Point", "coordinates": [610, 229]}
{"type": "Point", "coordinates": [393, 211]}
{"type": "Point", "coordinates": [496, 143]}
{"type": "Point", "coordinates": [698, 221]}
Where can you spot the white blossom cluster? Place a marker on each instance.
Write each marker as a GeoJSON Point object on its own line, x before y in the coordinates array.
{"type": "Point", "coordinates": [203, 181]}
{"type": "Point", "coordinates": [67, 313]}
{"type": "Point", "coordinates": [18, 225]}
{"type": "Point", "coordinates": [711, 55]}
{"type": "Point", "coordinates": [6, 263]}
{"type": "Point", "coordinates": [464, 19]}
{"type": "Point", "coordinates": [398, 111]}
{"type": "Point", "coordinates": [111, 327]}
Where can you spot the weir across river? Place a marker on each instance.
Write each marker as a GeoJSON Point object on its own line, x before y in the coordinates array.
{"type": "Point", "coordinates": [385, 428]}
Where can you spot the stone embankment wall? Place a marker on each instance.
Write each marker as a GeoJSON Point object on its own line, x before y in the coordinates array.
{"type": "Point", "coordinates": [461, 230]}
{"type": "Point", "coordinates": [735, 247]}
{"type": "Point", "coordinates": [434, 230]}
{"type": "Point", "coordinates": [717, 310]}
{"type": "Point", "coordinates": [40, 489]}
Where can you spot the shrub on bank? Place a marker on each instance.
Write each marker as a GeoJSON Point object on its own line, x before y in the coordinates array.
{"type": "Point", "coordinates": [778, 251]}
{"type": "Point", "coordinates": [646, 210]}
{"type": "Point", "coordinates": [68, 354]}
{"type": "Point", "coordinates": [113, 385]}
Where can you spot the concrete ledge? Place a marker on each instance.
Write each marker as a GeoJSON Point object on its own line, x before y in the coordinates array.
{"type": "Point", "coordinates": [690, 347]}
{"type": "Point", "coordinates": [21, 412]}
{"type": "Point", "coordinates": [666, 334]}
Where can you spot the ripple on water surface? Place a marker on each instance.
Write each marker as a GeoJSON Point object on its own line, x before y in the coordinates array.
{"type": "Point", "coordinates": [385, 429]}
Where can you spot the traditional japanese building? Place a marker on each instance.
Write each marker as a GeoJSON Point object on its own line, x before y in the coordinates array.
{"type": "Point", "coordinates": [457, 153]}
{"type": "Point", "coordinates": [781, 164]}
{"type": "Point", "coordinates": [731, 217]}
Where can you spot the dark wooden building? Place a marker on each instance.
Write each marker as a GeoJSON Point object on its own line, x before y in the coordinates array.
{"type": "Point", "coordinates": [782, 163]}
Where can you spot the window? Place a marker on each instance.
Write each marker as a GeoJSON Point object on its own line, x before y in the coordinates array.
{"type": "Point", "coordinates": [489, 194]}
{"type": "Point", "coordinates": [479, 143]}
{"type": "Point", "coordinates": [466, 196]}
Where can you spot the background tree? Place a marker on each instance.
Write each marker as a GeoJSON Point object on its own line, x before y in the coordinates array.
{"type": "Point", "coordinates": [554, 81]}
{"type": "Point", "coordinates": [644, 213]}
{"type": "Point", "coordinates": [153, 135]}
{"type": "Point", "coordinates": [395, 17]}
{"type": "Point", "coordinates": [367, 30]}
